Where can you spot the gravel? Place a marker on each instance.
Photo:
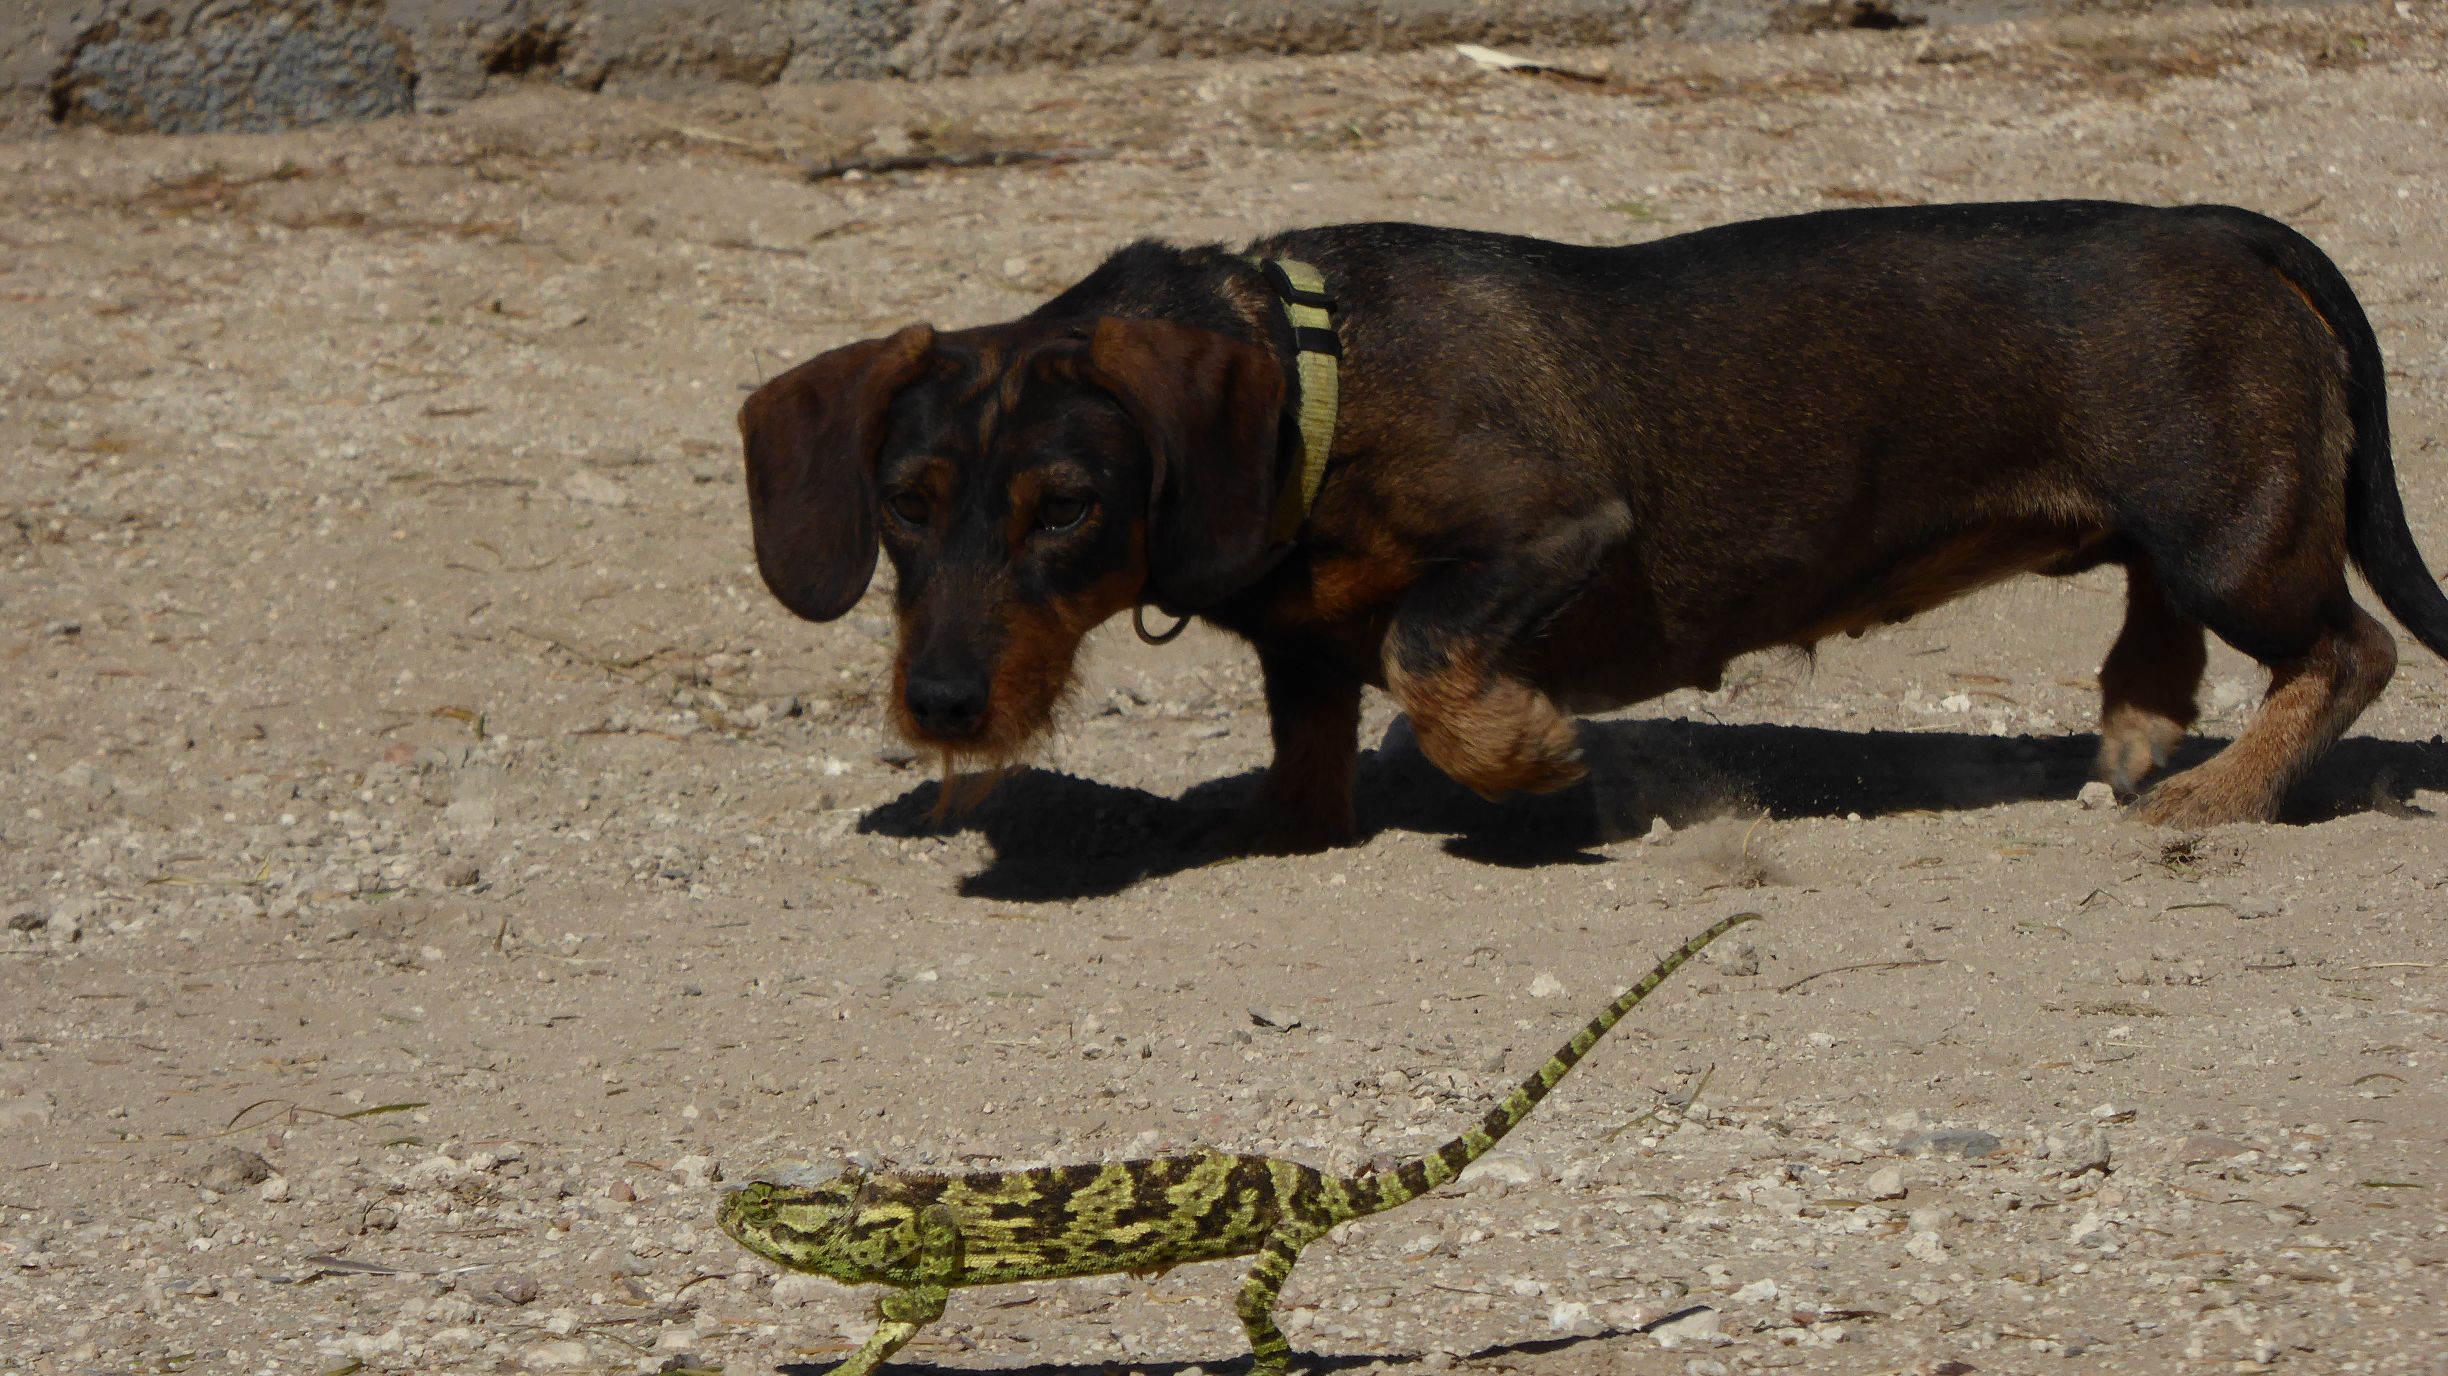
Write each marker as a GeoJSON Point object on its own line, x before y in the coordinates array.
{"type": "Point", "coordinates": [434, 864]}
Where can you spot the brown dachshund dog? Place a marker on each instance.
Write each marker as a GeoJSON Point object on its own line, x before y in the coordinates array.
{"type": "Point", "coordinates": [1565, 478]}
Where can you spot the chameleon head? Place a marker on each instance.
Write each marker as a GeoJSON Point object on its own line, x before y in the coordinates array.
{"type": "Point", "coordinates": [794, 1216]}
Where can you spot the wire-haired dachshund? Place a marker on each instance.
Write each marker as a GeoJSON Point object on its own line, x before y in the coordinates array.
{"type": "Point", "coordinates": [1553, 479]}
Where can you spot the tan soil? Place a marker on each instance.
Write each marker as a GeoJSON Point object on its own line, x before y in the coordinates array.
{"type": "Point", "coordinates": [396, 720]}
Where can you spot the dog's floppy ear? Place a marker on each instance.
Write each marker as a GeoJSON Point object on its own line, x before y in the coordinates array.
{"type": "Point", "coordinates": [1211, 408]}
{"type": "Point", "coordinates": [811, 436]}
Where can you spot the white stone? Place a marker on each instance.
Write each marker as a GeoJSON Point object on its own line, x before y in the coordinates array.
{"type": "Point", "coordinates": [594, 489]}
{"type": "Point", "coordinates": [1572, 1316]}
{"type": "Point", "coordinates": [796, 1290]}
{"type": "Point", "coordinates": [1701, 1327]}
{"type": "Point", "coordinates": [566, 1355]}
{"type": "Point", "coordinates": [1503, 1166]}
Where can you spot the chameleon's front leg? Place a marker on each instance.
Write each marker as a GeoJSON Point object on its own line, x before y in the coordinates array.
{"type": "Point", "coordinates": [888, 1339]}
{"type": "Point", "coordinates": [1273, 1355]}
{"type": "Point", "coordinates": [904, 1312]}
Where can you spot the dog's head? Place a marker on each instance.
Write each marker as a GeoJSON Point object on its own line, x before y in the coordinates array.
{"type": "Point", "coordinates": [1028, 480]}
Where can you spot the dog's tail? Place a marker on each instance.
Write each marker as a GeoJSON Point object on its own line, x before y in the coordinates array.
{"type": "Point", "coordinates": [2376, 533]}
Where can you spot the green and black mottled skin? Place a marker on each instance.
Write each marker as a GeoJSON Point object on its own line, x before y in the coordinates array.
{"type": "Point", "coordinates": [924, 1235]}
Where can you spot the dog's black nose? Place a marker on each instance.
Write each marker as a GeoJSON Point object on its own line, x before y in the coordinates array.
{"type": "Point", "coordinates": [946, 708]}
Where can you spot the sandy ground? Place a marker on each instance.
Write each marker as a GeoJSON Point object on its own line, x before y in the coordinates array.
{"type": "Point", "coordinates": [431, 862]}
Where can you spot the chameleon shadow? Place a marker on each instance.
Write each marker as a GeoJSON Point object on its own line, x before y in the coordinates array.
{"type": "Point", "coordinates": [1314, 1362]}
{"type": "Point", "coordinates": [1058, 837]}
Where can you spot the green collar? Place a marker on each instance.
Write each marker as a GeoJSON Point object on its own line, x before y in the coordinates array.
{"type": "Point", "coordinates": [1318, 362]}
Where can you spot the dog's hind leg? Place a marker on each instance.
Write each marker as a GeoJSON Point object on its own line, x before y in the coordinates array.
{"type": "Point", "coordinates": [2312, 699]}
{"type": "Point", "coordinates": [2254, 547]}
{"type": "Point", "coordinates": [2148, 684]}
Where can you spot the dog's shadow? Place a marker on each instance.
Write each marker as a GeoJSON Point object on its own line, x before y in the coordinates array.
{"type": "Point", "coordinates": [1314, 1362]}
{"type": "Point", "coordinates": [1058, 837]}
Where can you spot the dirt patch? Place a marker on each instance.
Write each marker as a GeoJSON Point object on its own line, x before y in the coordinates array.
{"type": "Point", "coordinates": [429, 860]}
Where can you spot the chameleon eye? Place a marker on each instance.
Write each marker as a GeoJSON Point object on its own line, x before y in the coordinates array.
{"type": "Point", "coordinates": [1061, 512]}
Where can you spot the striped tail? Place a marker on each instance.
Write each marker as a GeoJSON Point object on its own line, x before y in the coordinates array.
{"type": "Point", "coordinates": [1375, 1193]}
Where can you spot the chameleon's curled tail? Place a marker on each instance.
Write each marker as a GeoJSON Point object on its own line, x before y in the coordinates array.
{"type": "Point", "coordinates": [1375, 1193]}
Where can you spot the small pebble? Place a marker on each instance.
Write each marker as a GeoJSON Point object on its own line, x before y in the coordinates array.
{"type": "Point", "coordinates": [1699, 1326]}
{"type": "Point", "coordinates": [1761, 1291]}
{"type": "Point", "coordinates": [231, 1169]}
{"type": "Point", "coordinates": [565, 1355]}
{"type": "Point", "coordinates": [1961, 1142]}
{"type": "Point", "coordinates": [2202, 1147]}
{"type": "Point", "coordinates": [594, 489]}
{"type": "Point", "coordinates": [1572, 1316]}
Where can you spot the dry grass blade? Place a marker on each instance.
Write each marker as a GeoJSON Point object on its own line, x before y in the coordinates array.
{"type": "Point", "coordinates": [333, 1264]}
{"type": "Point", "coordinates": [354, 1115]}
{"type": "Point", "coordinates": [1682, 1111]}
{"type": "Point", "coordinates": [1864, 965]}
{"type": "Point", "coordinates": [921, 162]}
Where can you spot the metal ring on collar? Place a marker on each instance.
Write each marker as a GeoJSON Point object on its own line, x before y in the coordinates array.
{"type": "Point", "coordinates": [1139, 624]}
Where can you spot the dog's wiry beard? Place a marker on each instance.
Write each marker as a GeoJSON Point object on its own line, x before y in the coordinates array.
{"type": "Point", "coordinates": [1033, 683]}
{"type": "Point", "coordinates": [962, 791]}
{"type": "Point", "coordinates": [971, 770]}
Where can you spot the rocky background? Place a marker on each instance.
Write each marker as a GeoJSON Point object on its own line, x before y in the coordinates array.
{"type": "Point", "coordinates": [188, 66]}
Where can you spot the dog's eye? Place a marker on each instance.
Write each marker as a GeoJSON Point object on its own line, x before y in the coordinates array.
{"type": "Point", "coordinates": [1062, 513]}
{"type": "Point", "coordinates": [909, 508]}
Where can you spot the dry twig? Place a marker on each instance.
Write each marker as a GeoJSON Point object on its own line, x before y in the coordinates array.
{"type": "Point", "coordinates": [1864, 965]}
{"type": "Point", "coordinates": [923, 162]}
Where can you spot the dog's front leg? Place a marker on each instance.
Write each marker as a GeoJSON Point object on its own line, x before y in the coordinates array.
{"type": "Point", "coordinates": [1304, 803]}
{"type": "Point", "coordinates": [1484, 727]}
{"type": "Point", "coordinates": [1449, 659]}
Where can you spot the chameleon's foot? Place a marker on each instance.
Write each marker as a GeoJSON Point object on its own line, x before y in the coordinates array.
{"type": "Point", "coordinates": [904, 1312]}
{"type": "Point", "coordinates": [889, 1338]}
{"type": "Point", "coordinates": [1270, 1354]}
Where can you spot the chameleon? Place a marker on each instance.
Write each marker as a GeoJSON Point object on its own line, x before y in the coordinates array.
{"type": "Point", "coordinates": [925, 1235]}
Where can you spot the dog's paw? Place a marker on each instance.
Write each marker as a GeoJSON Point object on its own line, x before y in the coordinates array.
{"type": "Point", "coordinates": [1507, 738]}
{"type": "Point", "coordinates": [1544, 770]}
{"type": "Point", "coordinates": [2134, 745]}
{"type": "Point", "coordinates": [2205, 796]}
